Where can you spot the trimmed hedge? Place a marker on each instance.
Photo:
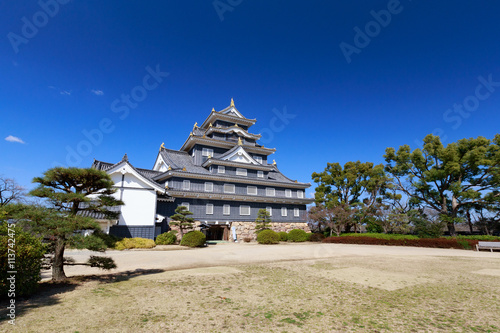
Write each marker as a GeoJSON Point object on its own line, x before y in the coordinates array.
{"type": "Point", "coordinates": [477, 237]}
{"type": "Point", "coordinates": [134, 243]}
{"type": "Point", "coordinates": [268, 237]}
{"type": "Point", "coordinates": [194, 239]}
{"type": "Point", "coordinates": [283, 236]}
{"type": "Point", "coordinates": [422, 242]}
{"type": "Point", "coordinates": [166, 238]}
{"type": "Point", "coordinates": [317, 237]}
{"type": "Point", "coordinates": [298, 235]}
{"type": "Point", "coordinates": [380, 235]}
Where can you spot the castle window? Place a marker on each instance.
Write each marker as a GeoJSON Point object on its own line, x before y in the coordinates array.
{"type": "Point", "coordinates": [209, 209]}
{"type": "Point", "coordinates": [284, 211]}
{"type": "Point", "coordinates": [221, 169]}
{"type": "Point", "coordinates": [241, 172]}
{"type": "Point", "coordinates": [209, 187]}
{"type": "Point", "coordinates": [300, 194]}
{"type": "Point", "coordinates": [288, 193]}
{"type": "Point", "coordinates": [296, 212]}
{"type": "Point", "coordinates": [252, 190]}
{"type": "Point", "coordinates": [260, 174]}
{"type": "Point", "coordinates": [270, 211]}
{"type": "Point", "coordinates": [207, 152]}
{"type": "Point", "coordinates": [229, 188]}
{"type": "Point", "coordinates": [258, 159]}
{"type": "Point", "coordinates": [226, 209]}
{"type": "Point", "coordinates": [186, 185]}
{"type": "Point", "coordinates": [270, 192]}
{"type": "Point", "coordinates": [244, 210]}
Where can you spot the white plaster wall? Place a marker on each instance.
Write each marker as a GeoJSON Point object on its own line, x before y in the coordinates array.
{"type": "Point", "coordinates": [138, 196]}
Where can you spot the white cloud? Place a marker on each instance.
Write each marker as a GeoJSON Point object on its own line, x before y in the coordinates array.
{"type": "Point", "coordinates": [12, 138]}
{"type": "Point", "coordinates": [97, 92]}
{"type": "Point", "coordinates": [64, 92]}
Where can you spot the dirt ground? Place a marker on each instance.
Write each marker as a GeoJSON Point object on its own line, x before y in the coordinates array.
{"type": "Point", "coordinates": [283, 288]}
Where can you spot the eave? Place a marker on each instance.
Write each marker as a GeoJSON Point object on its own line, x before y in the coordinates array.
{"type": "Point", "coordinates": [192, 140]}
{"type": "Point", "coordinates": [229, 179]}
{"type": "Point", "coordinates": [214, 161]}
{"type": "Point", "coordinates": [213, 116]}
{"type": "Point", "coordinates": [237, 197]}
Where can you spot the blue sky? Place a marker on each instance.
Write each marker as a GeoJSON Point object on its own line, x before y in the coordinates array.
{"type": "Point", "coordinates": [417, 67]}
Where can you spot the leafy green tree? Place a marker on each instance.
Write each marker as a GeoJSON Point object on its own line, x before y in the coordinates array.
{"type": "Point", "coordinates": [181, 219]}
{"type": "Point", "coordinates": [263, 220]}
{"type": "Point", "coordinates": [353, 187]}
{"type": "Point", "coordinates": [70, 193]}
{"type": "Point", "coordinates": [449, 178]}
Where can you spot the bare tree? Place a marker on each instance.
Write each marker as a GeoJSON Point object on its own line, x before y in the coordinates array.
{"type": "Point", "coordinates": [10, 191]}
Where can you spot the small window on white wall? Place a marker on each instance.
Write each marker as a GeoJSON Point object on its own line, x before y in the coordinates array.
{"type": "Point", "coordinates": [270, 211]}
{"type": "Point", "coordinates": [241, 172]}
{"type": "Point", "coordinates": [284, 211]}
{"type": "Point", "coordinates": [207, 152]}
{"type": "Point", "coordinates": [185, 204]}
{"type": "Point", "coordinates": [270, 192]}
{"type": "Point", "coordinates": [186, 185]}
{"type": "Point", "coordinates": [229, 188]}
{"type": "Point", "coordinates": [258, 159]}
{"type": "Point", "coordinates": [252, 190]}
{"type": "Point", "coordinates": [260, 174]}
{"type": "Point", "coordinates": [296, 212]}
{"type": "Point", "coordinates": [209, 187]}
{"type": "Point", "coordinates": [226, 209]}
{"type": "Point", "coordinates": [300, 194]}
{"type": "Point", "coordinates": [288, 193]}
{"type": "Point", "coordinates": [244, 210]}
{"type": "Point", "coordinates": [221, 169]}
{"type": "Point", "coordinates": [210, 209]}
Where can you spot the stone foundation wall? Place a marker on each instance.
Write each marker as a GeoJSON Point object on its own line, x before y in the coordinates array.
{"type": "Point", "coordinates": [247, 229]}
{"type": "Point", "coordinates": [196, 225]}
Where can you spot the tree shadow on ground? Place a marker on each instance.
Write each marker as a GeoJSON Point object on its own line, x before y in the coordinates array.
{"type": "Point", "coordinates": [48, 292]}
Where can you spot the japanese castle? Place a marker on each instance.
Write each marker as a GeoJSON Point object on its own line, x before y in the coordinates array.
{"type": "Point", "coordinates": [221, 174]}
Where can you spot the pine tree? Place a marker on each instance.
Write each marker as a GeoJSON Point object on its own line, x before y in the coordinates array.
{"type": "Point", "coordinates": [181, 219]}
{"type": "Point", "coordinates": [263, 220]}
{"type": "Point", "coordinates": [70, 193]}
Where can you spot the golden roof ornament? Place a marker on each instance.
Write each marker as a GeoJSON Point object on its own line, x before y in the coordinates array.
{"type": "Point", "coordinates": [195, 126]}
{"type": "Point", "coordinates": [162, 145]}
{"type": "Point", "coordinates": [209, 156]}
{"type": "Point", "coordinates": [274, 162]}
{"type": "Point", "coordinates": [232, 103]}
{"type": "Point", "coordinates": [166, 186]}
{"type": "Point", "coordinates": [213, 109]}
{"type": "Point", "coordinates": [210, 125]}
{"type": "Point", "coordinates": [184, 169]}
{"type": "Point", "coordinates": [236, 125]}
{"type": "Point", "coordinates": [169, 168]}
{"type": "Point", "coordinates": [239, 141]}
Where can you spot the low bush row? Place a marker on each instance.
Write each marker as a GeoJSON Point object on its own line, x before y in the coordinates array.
{"type": "Point", "coordinates": [134, 243]}
{"type": "Point", "coordinates": [380, 235]}
{"type": "Point", "coordinates": [445, 243]}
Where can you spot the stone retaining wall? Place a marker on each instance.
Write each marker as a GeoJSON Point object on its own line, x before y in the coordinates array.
{"type": "Point", "coordinates": [247, 229]}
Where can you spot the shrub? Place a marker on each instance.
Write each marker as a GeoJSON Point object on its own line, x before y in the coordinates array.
{"type": "Point", "coordinates": [380, 236]}
{"type": "Point", "coordinates": [478, 237]}
{"type": "Point", "coordinates": [298, 235]}
{"type": "Point", "coordinates": [268, 237]}
{"type": "Point", "coordinates": [422, 242]}
{"type": "Point", "coordinates": [166, 238]}
{"type": "Point", "coordinates": [28, 261]}
{"type": "Point", "coordinates": [135, 243]}
{"type": "Point", "coordinates": [317, 237]}
{"type": "Point", "coordinates": [194, 239]}
{"type": "Point", "coordinates": [283, 236]}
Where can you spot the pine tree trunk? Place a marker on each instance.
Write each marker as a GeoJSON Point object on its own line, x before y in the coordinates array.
{"type": "Point", "coordinates": [58, 263]}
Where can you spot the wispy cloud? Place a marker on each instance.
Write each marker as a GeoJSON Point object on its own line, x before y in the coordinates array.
{"type": "Point", "coordinates": [65, 92]}
{"type": "Point", "coordinates": [97, 92]}
{"type": "Point", "coordinates": [12, 138]}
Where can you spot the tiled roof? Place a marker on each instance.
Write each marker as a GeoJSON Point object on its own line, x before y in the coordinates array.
{"type": "Point", "coordinates": [99, 215]}
{"type": "Point", "coordinates": [180, 159]}
{"type": "Point", "coordinates": [105, 166]}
